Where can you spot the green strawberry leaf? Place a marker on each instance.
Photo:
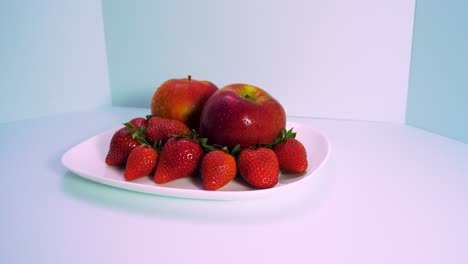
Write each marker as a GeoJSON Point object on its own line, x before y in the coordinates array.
{"type": "Point", "coordinates": [212, 147]}
{"type": "Point", "coordinates": [158, 145]}
{"type": "Point", "coordinates": [139, 134]}
{"type": "Point", "coordinates": [130, 128]}
{"type": "Point", "coordinates": [193, 135]}
{"type": "Point", "coordinates": [282, 136]}
{"type": "Point", "coordinates": [289, 134]}
{"type": "Point", "coordinates": [235, 150]}
{"type": "Point", "coordinates": [205, 146]}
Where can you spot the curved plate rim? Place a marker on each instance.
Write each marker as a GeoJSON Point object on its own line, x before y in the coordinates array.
{"type": "Point", "coordinates": [70, 156]}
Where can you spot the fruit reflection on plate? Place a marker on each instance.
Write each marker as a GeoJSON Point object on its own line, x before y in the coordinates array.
{"type": "Point", "coordinates": [87, 160]}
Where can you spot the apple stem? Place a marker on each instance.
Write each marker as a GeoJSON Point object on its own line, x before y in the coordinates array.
{"type": "Point", "coordinates": [190, 77]}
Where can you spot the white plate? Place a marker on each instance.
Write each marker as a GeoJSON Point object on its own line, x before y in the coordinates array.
{"type": "Point", "coordinates": [87, 160]}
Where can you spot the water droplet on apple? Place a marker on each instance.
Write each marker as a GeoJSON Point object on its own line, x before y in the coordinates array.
{"type": "Point", "coordinates": [247, 121]}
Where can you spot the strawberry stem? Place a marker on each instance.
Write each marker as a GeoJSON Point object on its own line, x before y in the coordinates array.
{"type": "Point", "coordinates": [193, 135]}
{"type": "Point", "coordinates": [205, 146]}
{"type": "Point", "coordinates": [157, 145]}
{"type": "Point", "coordinates": [137, 133]}
{"type": "Point", "coordinates": [236, 150]}
{"type": "Point", "coordinates": [282, 136]}
{"type": "Point", "coordinates": [208, 147]}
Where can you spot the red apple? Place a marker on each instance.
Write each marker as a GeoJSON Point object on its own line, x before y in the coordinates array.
{"type": "Point", "coordinates": [182, 99]}
{"type": "Point", "coordinates": [241, 114]}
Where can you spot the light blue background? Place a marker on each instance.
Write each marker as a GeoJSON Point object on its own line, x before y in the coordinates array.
{"type": "Point", "coordinates": [330, 59]}
{"type": "Point", "coordinates": [53, 55]}
{"type": "Point", "coordinates": [438, 87]}
{"type": "Point", "coordinates": [52, 58]}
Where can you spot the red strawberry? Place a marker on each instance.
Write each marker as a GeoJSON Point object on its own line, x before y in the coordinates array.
{"type": "Point", "coordinates": [141, 162]}
{"type": "Point", "coordinates": [217, 169]}
{"type": "Point", "coordinates": [180, 157]}
{"type": "Point", "coordinates": [259, 167]}
{"type": "Point", "coordinates": [292, 156]}
{"type": "Point", "coordinates": [139, 122]}
{"type": "Point", "coordinates": [160, 129]}
{"type": "Point", "coordinates": [122, 142]}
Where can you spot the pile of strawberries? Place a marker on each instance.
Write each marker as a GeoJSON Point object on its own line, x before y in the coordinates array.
{"type": "Point", "coordinates": [168, 150]}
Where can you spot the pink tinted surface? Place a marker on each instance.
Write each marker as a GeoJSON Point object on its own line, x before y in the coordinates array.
{"type": "Point", "coordinates": [388, 194]}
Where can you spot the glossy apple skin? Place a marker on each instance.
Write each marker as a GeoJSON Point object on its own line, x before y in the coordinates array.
{"type": "Point", "coordinates": [182, 99]}
{"type": "Point", "coordinates": [241, 114]}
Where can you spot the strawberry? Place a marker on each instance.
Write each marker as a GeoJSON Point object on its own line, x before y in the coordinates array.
{"type": "Point", "coordinates": [217, 169]}
{"type": "Point", "coordinates": [292, 155]}
{"type": "Point", "coordinates": [160, 129]}
{"type": "Point", "coordinates": [122, 142]}
{"type": "Point", "coordinates": [259, 167]}
{"type": "Point", "coordinates": [139, 122]}
{"type": "Point", "coordinates": [180, 157]}
{"type": "Point", "coordinates": [141, 162]}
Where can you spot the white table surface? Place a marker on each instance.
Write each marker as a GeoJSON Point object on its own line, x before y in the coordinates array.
{"type": "Point", "coordinates": [389, 193]}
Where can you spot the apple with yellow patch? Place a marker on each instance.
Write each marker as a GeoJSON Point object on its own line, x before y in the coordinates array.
{"type": "Point", "coordinates": [241, 114]}
{"type": "Point", "coordinates": [182, 99]}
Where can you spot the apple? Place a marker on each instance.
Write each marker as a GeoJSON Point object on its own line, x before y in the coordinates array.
{"type": "Point", "coordinates": [182, 99]}
{"type": "Point", "coordinates": [241, 114]}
